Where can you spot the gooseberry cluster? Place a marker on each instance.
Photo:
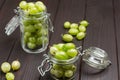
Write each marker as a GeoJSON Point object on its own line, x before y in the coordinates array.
{"type": "Point", "coordinates": [34, 24]}
{"type": "Point", "coordinates": [63, 51]}
{"type": "Point", "coordinates": [63, 71]}
{"type": "Point", "coordinates": [6, 67]}
{"type": "Point", "coordinates": [78, 30]}
{"type": "Point", "coordinates": [31, 8]}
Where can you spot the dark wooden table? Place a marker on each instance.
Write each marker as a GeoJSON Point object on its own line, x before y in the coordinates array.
{"type": "Point", "coordinates": [103, 32]}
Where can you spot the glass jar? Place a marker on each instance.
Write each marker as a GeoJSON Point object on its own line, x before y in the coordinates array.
{"type": "Point", "coordinates": [34, 30]}
{"type": "Point", "coordinates": [59, 69]}
{"type": "Point", "coordinates": [66, 69]}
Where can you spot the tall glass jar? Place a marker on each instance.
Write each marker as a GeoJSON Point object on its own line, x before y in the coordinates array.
{"type": "Point", "coordinates": [34, 30]}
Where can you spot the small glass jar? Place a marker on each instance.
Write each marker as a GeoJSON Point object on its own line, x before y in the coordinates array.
{"type": "Point", "coordinates": [59, 69]}
{"type": "Point", "coordinates": [34, 30]}
{"type": "Point", "coordinates": [66, 69]}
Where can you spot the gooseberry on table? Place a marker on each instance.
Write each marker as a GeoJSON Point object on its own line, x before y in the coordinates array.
{"type": "Point", "coordinates": [74, 25]}
{"type": "Point", "coordinates": [80, 35]}
{"type": "Point", "coordinates": [73, 31]}
{"type": "Point", "coordinates": [82, 28]}
{"type": "Point", "coordinates": [84, 23]}
{"type": "Point", "coordinates": [16, 65]}
{"type": "Point", "coordinates": [67, 37]}
{"type": "Point", "coordinates": [67, 24]}
{"type": "Point", "coordinates": [5, 67]}
{"type": "Point", "coordinates": [10, 76]}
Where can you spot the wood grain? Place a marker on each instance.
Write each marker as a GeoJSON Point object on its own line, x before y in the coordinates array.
{"type": "Point", "coordinates": [100, 33]}
{"type": "Point", "coordinates": [2, 3]}
{"type": "Point", "coordinates": [103, 32]}
{"type": "Point", "coordinates": [6, 43]}
{"type": "Point", "coordinates": [116, 4]}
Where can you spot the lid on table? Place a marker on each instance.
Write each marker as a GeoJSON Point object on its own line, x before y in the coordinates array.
{"type": "Point", "coordinates": [96, 58]}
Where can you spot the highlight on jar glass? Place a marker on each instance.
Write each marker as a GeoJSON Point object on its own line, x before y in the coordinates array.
{"type": "Point", "coordinates": [35, 25]}
{"type": "Point", "coordinates": [61, 61]}
{"type": "Point", "coordinates": [96, 58]}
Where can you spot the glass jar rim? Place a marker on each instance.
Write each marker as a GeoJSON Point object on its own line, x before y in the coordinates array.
{"type": "Point", "coordinates": [20, 12]}
{"type": "Point", "coordinates": [69, 61]}
{"type": "Point", "coordinates": [92, 49]}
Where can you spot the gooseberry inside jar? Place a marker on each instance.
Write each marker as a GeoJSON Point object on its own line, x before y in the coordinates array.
{"type": "Point", "coordinates": [34, 24]}
{"type": "Point", "coordinates": [64, 71]}
{"type": "Point", "coordinates": [34, 33]}
{"type": "Point", "coordinates": [64, 66]}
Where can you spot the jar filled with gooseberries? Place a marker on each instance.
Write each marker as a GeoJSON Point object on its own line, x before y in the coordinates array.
{"type": "Point", "coordinates": [34, 22]}
{"type": "Point", "coordinates": [62, 62]}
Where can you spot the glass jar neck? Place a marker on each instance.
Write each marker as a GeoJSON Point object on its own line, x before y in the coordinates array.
{"type": "Point", "coordinates": [24, 14]}
{"type": "Point", "coordinates": [63, 62]}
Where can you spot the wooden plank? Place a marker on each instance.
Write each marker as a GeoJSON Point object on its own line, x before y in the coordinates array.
{"type": "Point", "coordinates": [101, 34]}
{"type": "Point", "coordinates": [2, 3]}
{"type": "Point", "coordinates": [117, 29]}
{"type": "Point", "coordinates": [69, 10]}
{"type": "Point", "coordinates": [30, 62]}
{"type": "Point", "coordinates": [6, 43]}
{"type": "Point", "coordinates": [72, 11]}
